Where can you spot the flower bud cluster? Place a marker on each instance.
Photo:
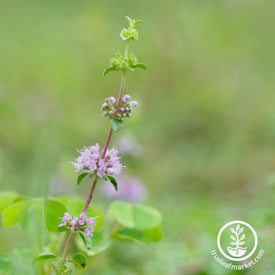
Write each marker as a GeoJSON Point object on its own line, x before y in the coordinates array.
{"type": "Point", "coordinates": [121, 63]}
{"type": "Point", "coordinates": [112, 110]}
{"type": "Point", "coordinates": [80, 223]}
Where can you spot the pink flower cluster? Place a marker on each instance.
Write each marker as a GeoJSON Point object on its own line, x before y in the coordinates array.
{"type": "Point", "coordinates": [80, 223]}
{"type": "Point", "coordinates": [90, 160]}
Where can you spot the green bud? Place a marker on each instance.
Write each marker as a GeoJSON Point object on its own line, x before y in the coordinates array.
{"type": "Point", "coordinates": [128, 62]}
{"type": "Point", "coordinates": [129, 34]}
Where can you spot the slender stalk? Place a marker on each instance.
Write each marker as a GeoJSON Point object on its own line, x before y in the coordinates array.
{"type": "Point", "coordinates": [107, 142]}
{"type": "Point", "coordinates": [67, 246]}
{"type": "Point", "coordinates": [90, 195]}
{"type": "Point", "coordinates": [122, 89]}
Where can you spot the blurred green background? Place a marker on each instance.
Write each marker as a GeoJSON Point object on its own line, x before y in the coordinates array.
{"type": "Point", "coordinates": [205, 122]}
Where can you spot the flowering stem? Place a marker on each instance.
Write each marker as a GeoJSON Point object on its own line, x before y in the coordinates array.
{"type": "Point", "coordinates": [107, 143]}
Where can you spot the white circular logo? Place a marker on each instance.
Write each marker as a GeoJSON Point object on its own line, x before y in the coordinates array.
{"type": "Point", "coordinates": [237, 240]}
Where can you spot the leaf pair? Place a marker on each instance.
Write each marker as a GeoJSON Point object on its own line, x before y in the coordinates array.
{"type": "Point", "coordinates": [78, 259]}
{"type": "Point", "coordinates": [133, 22]}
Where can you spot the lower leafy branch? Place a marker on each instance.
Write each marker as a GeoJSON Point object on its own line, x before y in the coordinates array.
{"type": "Point", "coordinates": [134, 223]}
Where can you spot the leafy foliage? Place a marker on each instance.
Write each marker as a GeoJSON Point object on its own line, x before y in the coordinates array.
{"type": "Point", "coordinates": [45, 256]}
{"type": "Point", "coordinates": [6, 198]}
{"type": "Point", "coordinates": [139, 223]}
{"type": "Point", "coordinates": [80, 260]}
{"type": "Point", "coordinates": [112, 180]}
{"type": "Point", "coordinates": [116, 124]}
{"type": "Point", "coordinates": [81, 177]}
{"type": "Point", "coordinates": [53, 210]}
{"type": "Point", "coordinates": [15, 212]}
{"type": "Point", "coordinates": [86, 240]}
{"type": "Point", "coordinates": [99, 244]}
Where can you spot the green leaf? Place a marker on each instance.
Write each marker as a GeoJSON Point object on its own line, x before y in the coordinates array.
{"type": "Point", "coordinates": [135, 216]}
{"type": "Point", "coordinates": [122, 212]}
{"type": "Point", "coordinates": [138, 236]}
{"type": "Point", "coordinates": [116, 124]}
{"type": "Point", "coordinates": [80, 260]}
{"type": "Point", "coordinates": [154, 234]}
{"type": "Point", "coordinates": [54, 211]}
{"type": "Point", "coordinates": [131, 235]}
{"type": "Point", "coordinates": [45, 256]}
{"type": "Point", "coordinates": [113, 181]}
{"type": "Point", "coordinates": [145, 217]}
{"type": "Point", "coordinates": [62, 229]}
{"type": "Point", "coordinates": [86, 240]}
{"type": "Point", "coordinates": [81, 177]}
{"type": "Point", "coordinates": [15, 212]}
{"type": "Point", "coordinates": [6, 198]}
{"type": "Point", "coordinates": [108, 69]}
{"type": "Point", "coordinates": [136, 22]}
{"type": "Point", "coordinates": [133, 22]}
{"type": "Point", "coordinates": [99, 244]}
{"type": "Point", "coordinates": [28, 216]}
{"type": "Point", "coordinates": [140, 66]}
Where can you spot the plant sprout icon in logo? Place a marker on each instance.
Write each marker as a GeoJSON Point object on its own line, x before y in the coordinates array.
{"type": "Point", "coordinates": [237, 240]}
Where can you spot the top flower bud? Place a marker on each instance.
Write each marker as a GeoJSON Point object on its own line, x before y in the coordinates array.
{"type": "Point", "coordinates": [127, 61]}
{"type": "Point", "coordinates": [112, 100]}
{"type": "Point", "coordinates": [130, 33]}
{"type": "Point", "coordinates": [133, 104]}
{"type": "Point", "coordinates": [126, 98]}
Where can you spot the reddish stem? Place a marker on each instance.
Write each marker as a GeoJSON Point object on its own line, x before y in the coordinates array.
{"type": "Point", "coordinates": [90, 195]}
{"type": "Point", "coordinates": [107, 143]}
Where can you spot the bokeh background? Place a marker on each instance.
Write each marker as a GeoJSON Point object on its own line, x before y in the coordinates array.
{"type": "Point", "coordinates": [204, 133]}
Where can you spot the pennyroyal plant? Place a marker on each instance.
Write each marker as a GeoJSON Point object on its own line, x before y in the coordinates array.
{"type": "Point", "coordinates": [80, 222]}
